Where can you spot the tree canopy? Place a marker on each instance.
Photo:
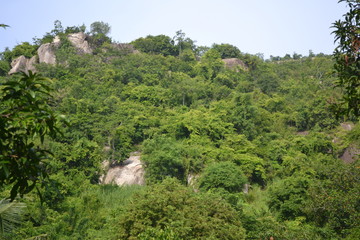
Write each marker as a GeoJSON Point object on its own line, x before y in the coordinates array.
{"type": "Point", "coordinates": [347, 57]}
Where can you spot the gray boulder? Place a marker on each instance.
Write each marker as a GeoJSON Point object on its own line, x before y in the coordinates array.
{"type": "Point", "coordinates": [18, 65]}
{"type": "Point", "coordinates": [235, 64]}
{"type": "Point", "coordinates": [78, 40]}
{"type": "Point", "coordinates": [30, 65]}
{"type": "Point", "coordinates": [46, 53]}
{"type": "Point", "coordinates": [23, 64]}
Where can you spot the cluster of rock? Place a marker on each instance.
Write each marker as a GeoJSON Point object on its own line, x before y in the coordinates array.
{"type": "Point", "coordinates": [235, 64]}
{"type": "Point", "coordinates": [23, 64]}
{"type": "Point", "coordinates": [46, 53]}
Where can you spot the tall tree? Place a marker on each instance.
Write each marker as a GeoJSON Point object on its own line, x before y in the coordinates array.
{"type": "Point", "coordinates": [25, 120]}
{"type": "Point", "coordinates": [347, 59]}
{"type": "Point", "coordinates": [227, 50]}
{"type": "Point", "coordinates": [100, 28]}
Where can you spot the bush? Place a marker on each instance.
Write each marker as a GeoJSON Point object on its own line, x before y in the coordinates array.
{"type": "Point", "coordinates": [172, 211]}
{"type": "Point", "coordinates": [225, 175]}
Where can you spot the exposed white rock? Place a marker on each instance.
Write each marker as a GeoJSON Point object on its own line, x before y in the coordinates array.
{"type": "Point", "coordinates": [18, 65]}
{"type": "Point", "coordinates": [235, 64]}
{"type": "Point", "coordinates": [78, 40]}
{"type": "Point", "coordinates": [56, 40]}
{"type": "Point", "coordinates": [30, 65]}
{"type": "Point", "coordinates": [46, 53]}
{"type": "Point", "coordinates": [130, 172]}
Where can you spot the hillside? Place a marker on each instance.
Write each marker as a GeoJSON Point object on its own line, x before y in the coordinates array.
{"type": "Point", "coordinates": [225, 119]}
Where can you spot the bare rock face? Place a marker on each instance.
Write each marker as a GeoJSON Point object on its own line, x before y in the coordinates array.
{"type": "Point", "coordinates": [30, 65]}
{"type": "Point", "coordinates": [131, 172]}
{"type": "Point", "coordinates": [235, 64]}
{"type": "Point", "coordinates": [23, 64]}
{"type": "Point", "coordinates": [46, 53]}
{"type": "Point", "coordinates": [18, 65]}
{"type": "Point", "coordinates": [78, 40]}
{"type": "Point", "coordinates": [350, 155]}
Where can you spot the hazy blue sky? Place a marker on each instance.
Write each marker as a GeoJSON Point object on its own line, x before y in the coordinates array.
{"type": "Point", "coordinates": [271, 27]}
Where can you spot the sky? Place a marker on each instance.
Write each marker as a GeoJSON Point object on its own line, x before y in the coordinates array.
{"type": "Point", "coordinates": [270, 27]}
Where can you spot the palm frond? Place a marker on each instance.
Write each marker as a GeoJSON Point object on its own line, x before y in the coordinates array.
{"type": "Point", "coordinates": [10, 215]}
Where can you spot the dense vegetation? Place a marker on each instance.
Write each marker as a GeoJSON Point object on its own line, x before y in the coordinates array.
{"type": "Point", "coordinates": [266, 124]}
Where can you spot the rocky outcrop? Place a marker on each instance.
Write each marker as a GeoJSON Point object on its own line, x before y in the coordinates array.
{"type": "Point", "coordinates": [18, 64]}
{"type": "Point", "coordinates": [46, 53]}
{"type": "Point", "coordinates": [23, 64]}
{"type": "Point", "coordinates": [78, 40]}
{"type": "Point", "coordinates": [350, 155]}
{"type": "Point", "coordinates": [130, 172]}
{"type": "Point", "coordinates": [235, 64]}
{"type": "Point", "coordinates": [31, 64]}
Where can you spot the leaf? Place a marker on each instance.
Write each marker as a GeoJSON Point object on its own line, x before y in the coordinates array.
{"type": "Point", "coordinates": [10, 215]}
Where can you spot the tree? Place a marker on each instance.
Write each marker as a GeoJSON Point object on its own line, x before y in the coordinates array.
{"type": "Point", "coordinates": [183, 43]}
{"type": "Point", "coordinates": [25, 49]}
{"type": "Point", "coordinates": [347, 59]}
{"type": "Point", "coordinates": [99, 33]}
{"type": "Point", "coordinates": [227, 50]}
{"type": "Point", "coordinates": [176, 212]}
{"type": "Point", "coordinates": [224, 175]}
{"type": "Point", "coordinates": [288, 196]}
{"type": "Point", "coordinates": [160, 44]}
{"type": "Point", "coordinates": [25, 120]}
{"type": "Point", "coordinates": [100, 28]}
{"type": "Point", "coordinates": [211, 65]}
{"type": "Point", "coordinates": [335, 197]}
{"type": "Point", "coordinates": [163, 157]}
{"type": "Point", "coordinates": [58, 28]}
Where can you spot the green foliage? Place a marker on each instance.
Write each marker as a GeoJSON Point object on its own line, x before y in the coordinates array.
{"type": "Point", "coordinates": [210, 65]}
{"type": "Point", "coordinates": [26, 119]}
{"type": "Point", "coordinates": [11, 214]}
{"type": "Point", "coordinates": [227, 50]}
{"type": "Point", "coordinates": [288, 196]}
{"type": "Point", "coordinates": [347, 58]}
{"type": "Point", "coordinates": [25, 49]}
{"type": "Point", "coordinates": [4, 67]}
{"type": "Point", "coordinates": [175, 212]}
{"type": "Point", "coordinates": [4, 25]}
{"type": "Point", "coordinates": [160, 44]}
{"type": "Point", "coordinates": [210, 127]}
{"type": "Point", "coordinates": [99, 34]}
{"type": "Point", "coordinates": [100, 27]}
{"type": "Point", "coordinates": [182, 43]}
{"type": "Point", "coordinates": [224, 175]}
{"type": "Point", "coordinates": [158, 234]}
{"type": "Point", "coordinates": [164, 157]}
{"type": "Point", "coordinates": [335, 198]}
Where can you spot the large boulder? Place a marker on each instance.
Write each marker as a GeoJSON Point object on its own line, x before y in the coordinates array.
{"type": "Point", "coordinates": [78, 40]}
{"type": "Point", "coordinates": [18, 65]}
{"type": "Point", "coordinates": [30, 65]}
{"type": "Point", "coordinates": [46, 53]}
{"type": "Point", "coordinates": [130, 172]}
{"type": "Point", "coordinates": [235, 64]}
{"type": "Point", "coordinates": [23, 64]}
